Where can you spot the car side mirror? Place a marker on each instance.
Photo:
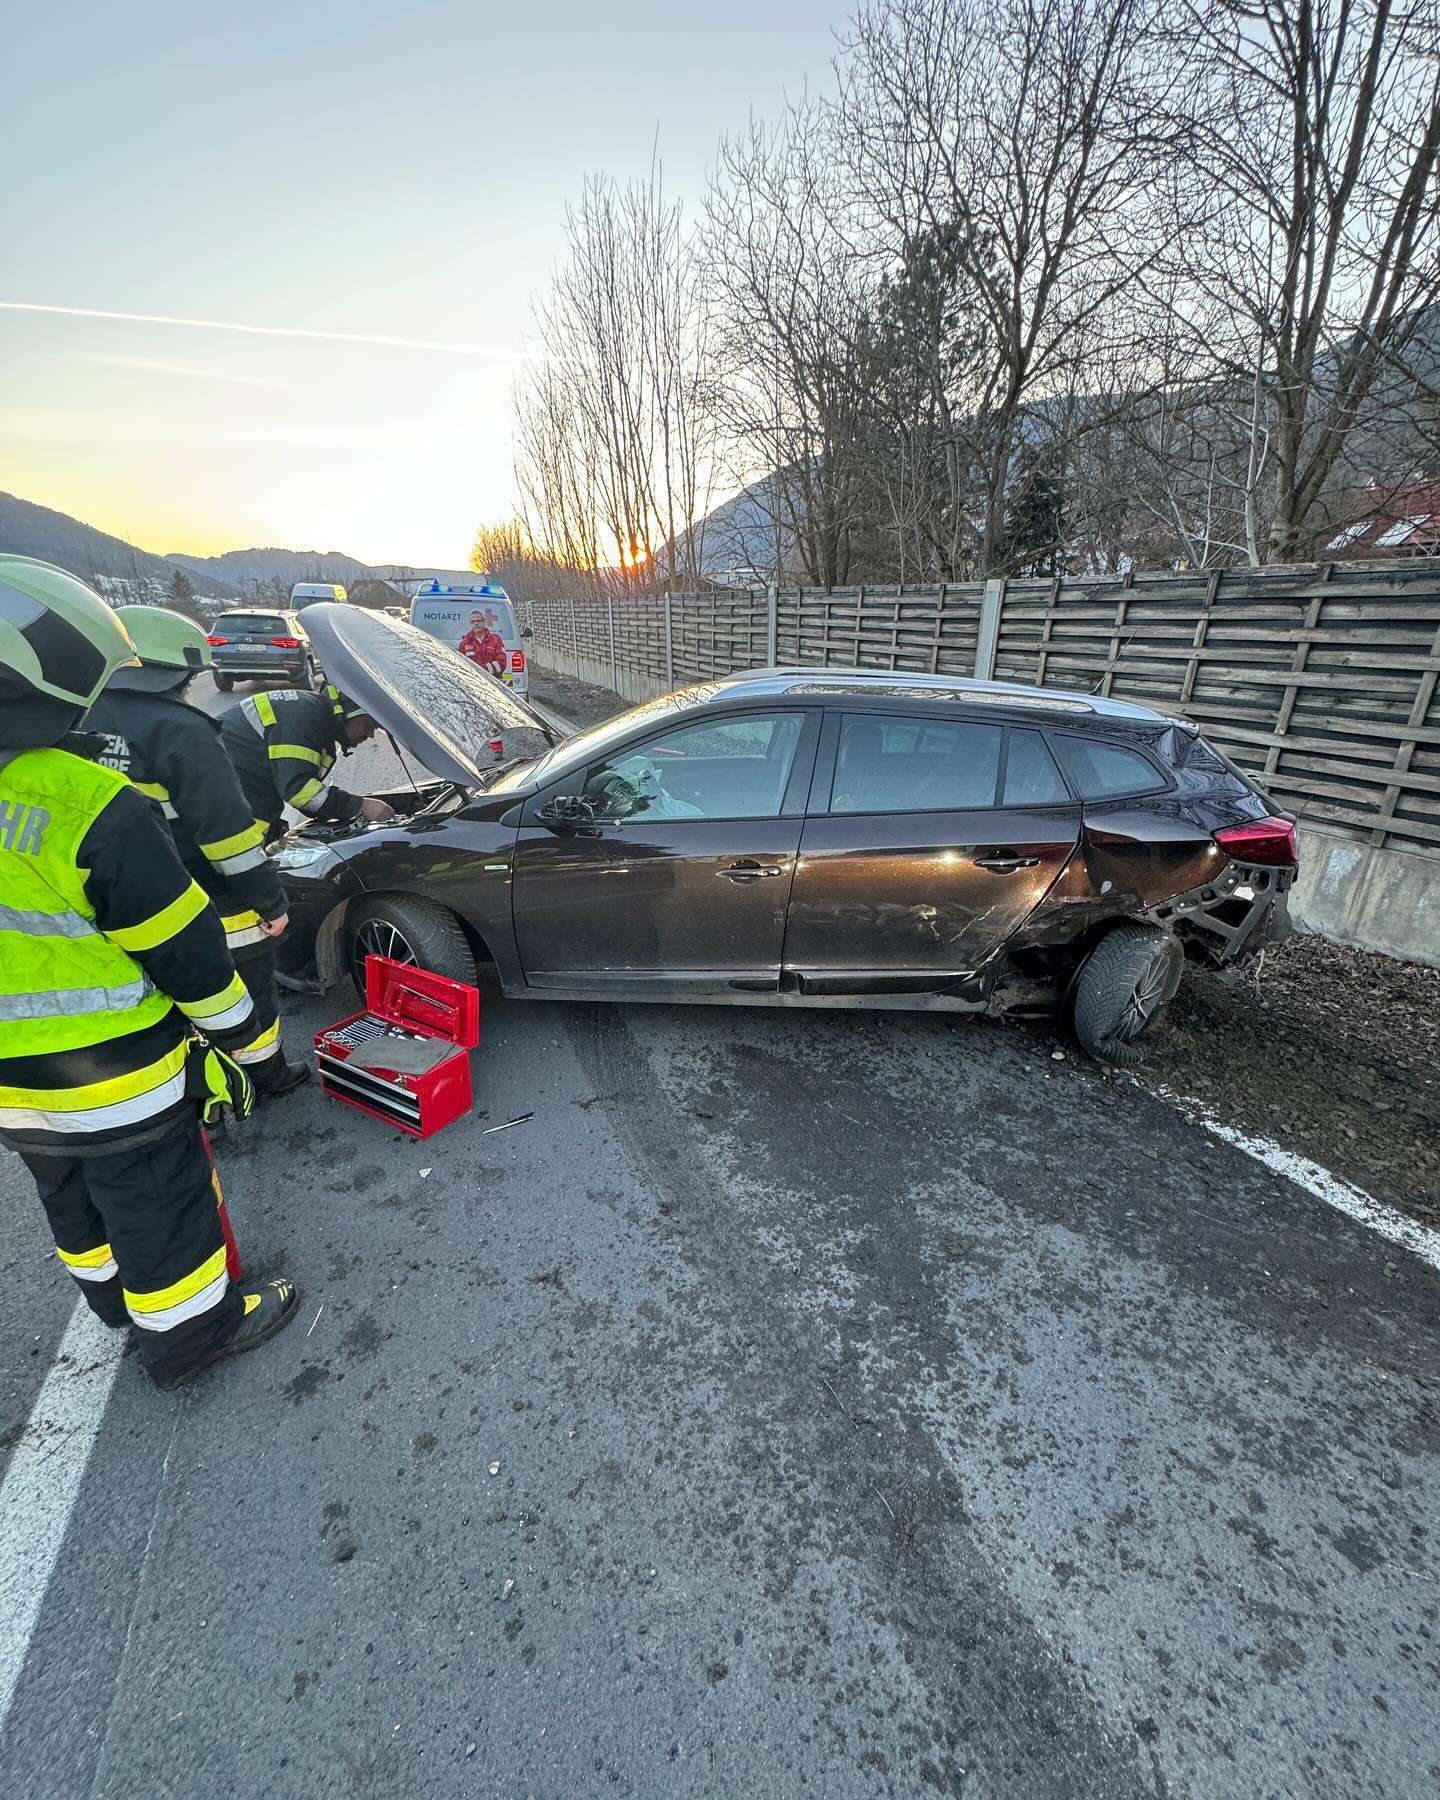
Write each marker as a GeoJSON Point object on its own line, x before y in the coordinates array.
{"type": "Point", "coordinates": [568, 812]}
{"type": "Point", "coordinates": [527, 631]}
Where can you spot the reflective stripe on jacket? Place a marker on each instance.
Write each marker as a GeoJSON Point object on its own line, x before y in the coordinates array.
{"type": "Point", "coordinates": [283, 747]}
{"type": "Point", "coordinates": [172, 752]}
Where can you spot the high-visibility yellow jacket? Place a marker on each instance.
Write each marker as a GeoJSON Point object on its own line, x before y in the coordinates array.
{"type": "Point", "coordinates": [109, 954]}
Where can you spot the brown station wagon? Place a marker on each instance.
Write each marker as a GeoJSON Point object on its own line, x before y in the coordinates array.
{"type": "Point", "coordinates": [792, 837]}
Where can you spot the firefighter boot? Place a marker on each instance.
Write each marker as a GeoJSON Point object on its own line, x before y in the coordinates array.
{"type": "Point", "coordinates": [275, 1077]}
{"type": "Point", "coordinates": [268, 1308]}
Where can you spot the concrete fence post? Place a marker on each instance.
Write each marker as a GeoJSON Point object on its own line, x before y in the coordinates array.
{"type": "Point", "coordinates": [772, 629]}
{"type": "Point", "coordinates": [988, 636]}
{"type": "Point", "coordinates": [669, 640]}
{"type": "Point", "coordinates": [614, 672]}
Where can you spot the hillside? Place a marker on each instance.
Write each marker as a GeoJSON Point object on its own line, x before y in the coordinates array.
{"type": "Point", "coordinates": [238, 570]}
{"type": "Point", "coordinates": [30, 530]}
{"type": "Point", "coordinates": [27, 529]}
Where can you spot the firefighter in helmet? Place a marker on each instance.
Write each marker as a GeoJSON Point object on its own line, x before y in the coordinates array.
{"type": "Point", "coordinates": [172, 752]}
{"type": "Point", "coordinates": [112, 965]}
{"type": "Point", "coordinates": [284, 744]}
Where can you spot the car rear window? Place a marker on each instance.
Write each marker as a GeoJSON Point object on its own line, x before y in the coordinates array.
{"type": "Point", "coordinates": [1104, 771]}
{"type": "Point", "coordinates": [1031, 778]}
{"type": "Point", "coordinates": [914, 765]}
{"type": "Point", "coordinates": [262, 624]}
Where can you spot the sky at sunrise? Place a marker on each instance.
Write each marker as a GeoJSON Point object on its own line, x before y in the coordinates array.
{"type": "Point", "coordinates": [390, 180]}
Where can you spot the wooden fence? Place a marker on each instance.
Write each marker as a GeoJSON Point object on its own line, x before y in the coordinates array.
{"type": "Point", "coordinates": [1319, 678]}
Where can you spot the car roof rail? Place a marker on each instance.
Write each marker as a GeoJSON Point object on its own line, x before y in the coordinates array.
{"type": "Point", "coordinates": [986, 693]}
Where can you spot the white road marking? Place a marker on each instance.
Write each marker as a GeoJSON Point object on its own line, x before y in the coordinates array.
{"type": "Point", "coordinates": [1409, 1234]}
{"type": "Point", "coordinates": [42, 1481]}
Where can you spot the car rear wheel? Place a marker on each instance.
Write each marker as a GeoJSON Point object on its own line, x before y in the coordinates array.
{"type": "Point", "coordinates": [1122, 988]}
{"type": "Point", "coordinates": [407, 930]}
{"type": "Point", "coordinates": [223, 682]}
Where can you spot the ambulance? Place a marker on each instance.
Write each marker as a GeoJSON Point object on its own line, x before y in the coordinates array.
{"type": "Point", "coordinates": [463, 616]}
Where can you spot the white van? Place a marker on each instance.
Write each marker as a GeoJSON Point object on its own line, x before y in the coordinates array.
{"type": "Point", "coordinates": [463, 618]}
{"type": "Point", "coordinates": [306, 593]}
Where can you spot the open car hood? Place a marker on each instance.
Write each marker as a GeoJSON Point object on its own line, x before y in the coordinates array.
{"type": "Point", "coordinates": [434, 702]}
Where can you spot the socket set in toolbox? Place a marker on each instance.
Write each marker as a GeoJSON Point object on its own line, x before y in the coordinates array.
{"type": "Point", "coordinates": [407, 1004]}
{"type": "Point", "coordinates": [351, 1037]}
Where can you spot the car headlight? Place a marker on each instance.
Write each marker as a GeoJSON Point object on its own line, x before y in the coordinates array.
{"type": "Point", "coordinates": [313, 859]}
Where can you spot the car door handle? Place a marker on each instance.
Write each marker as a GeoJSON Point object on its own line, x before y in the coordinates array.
{"type": "Point", "coordinates": [747, 870]}
{"type": "Point", "coordinates": [1006, 865]}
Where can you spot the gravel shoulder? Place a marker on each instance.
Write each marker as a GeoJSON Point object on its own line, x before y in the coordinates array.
{"type": "Point", "coordinates": [1331, 1052]}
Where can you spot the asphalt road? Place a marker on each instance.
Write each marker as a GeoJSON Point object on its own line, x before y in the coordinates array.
{"type": "Point", "coordinates": [797, 1403]}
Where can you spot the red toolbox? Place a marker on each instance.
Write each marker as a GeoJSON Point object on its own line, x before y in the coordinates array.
{"type": "Point", "coordinates": [419, 1019]}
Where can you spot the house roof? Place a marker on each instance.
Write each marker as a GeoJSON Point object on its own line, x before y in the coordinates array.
{"type": "Point", "coordinates": [1402, 521]}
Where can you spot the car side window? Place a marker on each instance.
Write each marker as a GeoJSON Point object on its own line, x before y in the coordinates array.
{"type": "Point", "coordinates": [718, 769]}
{"type": "Point", "coordinates": [1104, 771]}
{"type": "Point", "coordinates": [1031, 778]}
{"type": "Point", "coordinates": [914, 765]}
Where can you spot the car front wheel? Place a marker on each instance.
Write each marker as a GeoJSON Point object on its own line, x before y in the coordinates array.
{"type": "Point", "coordinates": [1122, 988]}
{"type": "Point", "coordinates": [407, 930]}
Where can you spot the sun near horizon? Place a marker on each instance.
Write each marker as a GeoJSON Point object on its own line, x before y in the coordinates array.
{"type": "Point", "coordinates": [242, 311]}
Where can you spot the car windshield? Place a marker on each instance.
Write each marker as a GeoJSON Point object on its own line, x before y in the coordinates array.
{"type": "Point", "coordinates": [581, 749]}
{"type": "Point", "coordinates": [265, 624]}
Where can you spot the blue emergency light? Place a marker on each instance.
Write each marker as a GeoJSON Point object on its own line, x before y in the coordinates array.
{"type": "Point", "coordinates": [486, 591]}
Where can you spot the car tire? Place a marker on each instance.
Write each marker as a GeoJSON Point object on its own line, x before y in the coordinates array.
{"type": "Point", "coordinates": [1122, 988]}
{"type": "Point", "coordinates": [408, 930]}
{"type": "Point", "coordinates": [223, 682]}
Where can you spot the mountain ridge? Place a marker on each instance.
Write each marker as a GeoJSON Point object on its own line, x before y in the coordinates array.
{"type": "Point", "coordinates": [29, 529]}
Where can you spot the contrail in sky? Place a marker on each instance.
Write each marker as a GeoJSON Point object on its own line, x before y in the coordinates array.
{"type": "Point", "coordinates": [279, 331]}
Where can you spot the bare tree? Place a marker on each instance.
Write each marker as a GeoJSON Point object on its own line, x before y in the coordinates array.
{"type": "Point", "coordinates": [614, 422]}
{"type": "Point", "coordinates": [791, 299]}
{"type": "Point", "coordinates": [1046, 284]}
{"type": "Point", "coordinates": [1315, 124]}
{"type": "Point", "coordinates": [1025, 138]}
{"type": "Point", "coordinates": [509, 553]}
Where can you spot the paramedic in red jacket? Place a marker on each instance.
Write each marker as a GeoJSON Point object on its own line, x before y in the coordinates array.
{"type": "Point", "coordinates": [482, 645]}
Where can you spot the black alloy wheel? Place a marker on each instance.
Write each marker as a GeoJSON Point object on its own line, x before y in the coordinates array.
{"type": "Point", "coordinates": [378, 937]}
{"type": "Point", "coordinates": [413, 932]}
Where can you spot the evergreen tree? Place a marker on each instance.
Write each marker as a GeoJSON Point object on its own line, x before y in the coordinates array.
{"type": "Point", "coordinates": [179, 596]}
{"type": "Point", "coordinates": [1034, 524]}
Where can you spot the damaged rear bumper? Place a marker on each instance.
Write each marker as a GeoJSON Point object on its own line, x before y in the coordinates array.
{"type": "Point", "coordinates": [1233, 917]}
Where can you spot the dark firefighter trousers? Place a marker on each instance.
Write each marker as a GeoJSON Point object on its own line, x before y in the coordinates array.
{"type": "Point", "coordinates": [139, 1231]}
{"type": "Point", "coordinates": [262, 1058]}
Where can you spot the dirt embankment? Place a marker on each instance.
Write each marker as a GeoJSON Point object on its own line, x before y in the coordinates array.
{"type": "Point", "coordinates": [1333, 1053]}
{"type": "Point", "coordinates": [577, 701]}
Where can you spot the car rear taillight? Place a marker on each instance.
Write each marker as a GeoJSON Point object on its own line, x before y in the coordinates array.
{"type": "Point", "coordinates": [496, 747]}
{"type": "Point", "coordinates": [286, 643]}
{"type": "Point", "coordinates": [517, 661]}
{"type": "Point", "coordinates": [1268, 841]}
{"type": "Point", "coordinates": [217, 640]}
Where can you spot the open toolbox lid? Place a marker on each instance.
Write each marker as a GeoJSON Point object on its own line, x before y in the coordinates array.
{"type": "Point", "coordinates": [433, 1005]}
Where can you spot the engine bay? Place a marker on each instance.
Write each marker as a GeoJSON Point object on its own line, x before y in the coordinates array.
{"type": "Point", "coordinates": [428, 798]}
